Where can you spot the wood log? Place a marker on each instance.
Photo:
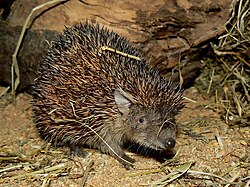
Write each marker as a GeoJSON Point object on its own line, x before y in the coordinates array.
{"type": "Point", "coordinates": [172, 34]}
{"type": "Point", "coordinates": [33, 48]}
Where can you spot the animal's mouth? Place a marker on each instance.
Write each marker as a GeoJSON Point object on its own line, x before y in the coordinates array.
{"type": "Point", "coordinates": [157, 146]}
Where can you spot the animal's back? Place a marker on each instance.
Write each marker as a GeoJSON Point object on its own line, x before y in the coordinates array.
{"type": "Point", "coordinates": [77, 80]}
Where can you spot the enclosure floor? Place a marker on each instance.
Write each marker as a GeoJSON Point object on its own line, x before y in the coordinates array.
{"type": "Point", "coordinates": [203, 140]}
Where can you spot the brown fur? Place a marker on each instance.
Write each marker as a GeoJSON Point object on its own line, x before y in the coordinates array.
{"type": "Point", "coordinates": [85, 96]}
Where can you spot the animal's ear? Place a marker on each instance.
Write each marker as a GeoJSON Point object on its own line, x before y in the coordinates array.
{"type": "Point", "coordinates": [123, 101]}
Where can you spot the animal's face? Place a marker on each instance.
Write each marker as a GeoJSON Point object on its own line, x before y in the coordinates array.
{"type": "Point", "coordinates": [149, 127]}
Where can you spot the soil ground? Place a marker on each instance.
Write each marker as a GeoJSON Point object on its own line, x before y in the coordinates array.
{"type": "Point", "coordinates": [203, 140]}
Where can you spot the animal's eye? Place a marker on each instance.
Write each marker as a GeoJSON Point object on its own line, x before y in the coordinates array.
{"type": "Point", "coordinates": [141, 120]}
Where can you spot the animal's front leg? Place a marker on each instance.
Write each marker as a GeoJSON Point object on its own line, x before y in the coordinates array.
{"type": "Point", "coordinates": [115, 150]}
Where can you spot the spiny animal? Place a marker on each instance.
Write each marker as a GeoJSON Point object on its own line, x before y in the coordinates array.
{"type": "Point", "coordinates": [94, 89]}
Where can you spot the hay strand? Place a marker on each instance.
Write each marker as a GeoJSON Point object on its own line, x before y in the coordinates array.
{"type": "Point", "coordinates": [15, 74]}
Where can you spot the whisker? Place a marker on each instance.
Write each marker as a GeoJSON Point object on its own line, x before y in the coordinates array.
{"type": "Point", "coordinates": [167, 120]}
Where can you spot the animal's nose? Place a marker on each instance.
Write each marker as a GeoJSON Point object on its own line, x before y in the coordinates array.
{"type": "Point", "coordinates": [170, 143]}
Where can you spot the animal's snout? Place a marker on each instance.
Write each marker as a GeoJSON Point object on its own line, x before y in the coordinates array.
{"type": "Point", "coordinates": [170, 143]}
